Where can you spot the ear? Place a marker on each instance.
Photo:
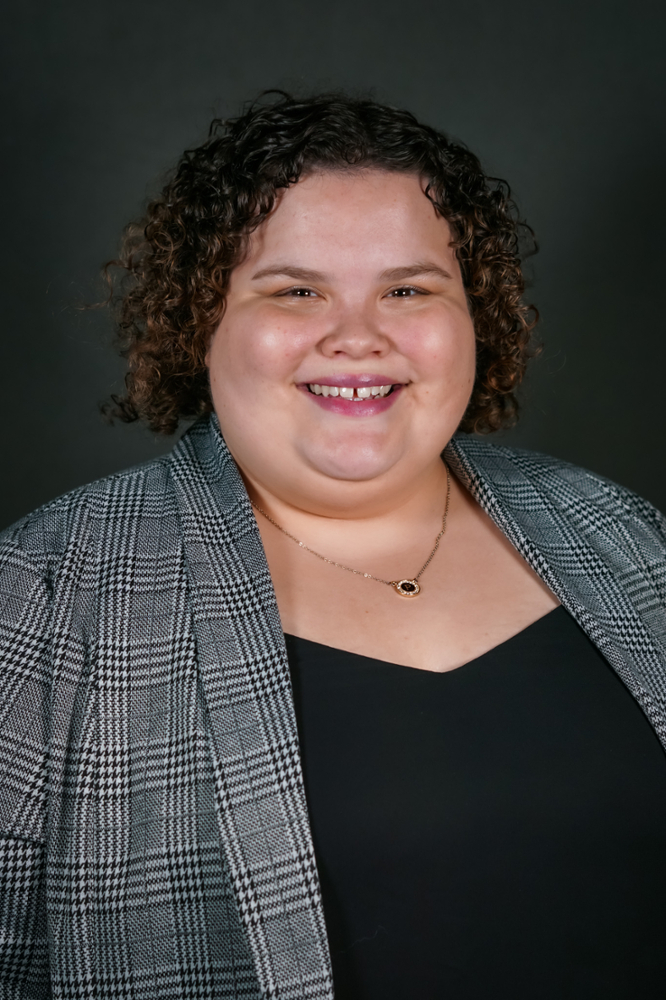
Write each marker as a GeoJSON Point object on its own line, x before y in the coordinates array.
{"type": "Point", "coordinates": [209, 347]}
{"type": "Point", "coordinates": [208, 343]}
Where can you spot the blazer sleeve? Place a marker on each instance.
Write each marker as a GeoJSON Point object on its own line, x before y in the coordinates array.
{"type": "Point", "coordinates": [25, 625]}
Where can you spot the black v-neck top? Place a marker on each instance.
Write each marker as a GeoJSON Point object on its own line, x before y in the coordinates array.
{"type": "Point", "coordinates": [498, 830]}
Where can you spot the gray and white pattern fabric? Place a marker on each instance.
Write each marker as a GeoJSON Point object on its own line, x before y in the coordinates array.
{"type": "Point", "coordinates": [599, 547]}
{"type": "Point", "coordinates": [154, 835]}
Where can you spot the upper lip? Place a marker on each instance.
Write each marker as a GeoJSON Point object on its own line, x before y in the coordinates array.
{"type": "Point", "coordinates": [351, 381]}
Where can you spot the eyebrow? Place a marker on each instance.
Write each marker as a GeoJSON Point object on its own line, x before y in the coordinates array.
{"type": "Point", "coordinates": [289, 271]}
{"type": "Point", "coordinates": [392, 274]}
{"type": "Point", "coordinates": [414, 271]}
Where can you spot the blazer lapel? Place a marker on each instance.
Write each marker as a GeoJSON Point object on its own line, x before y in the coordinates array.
{"type": "Point", "coordinates": [570, 528]}
{"type": "Point", "coordinates": [244, 672]}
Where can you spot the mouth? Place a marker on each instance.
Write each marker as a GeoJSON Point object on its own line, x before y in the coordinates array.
{"type": "Point", "coordinates": [354, 395]}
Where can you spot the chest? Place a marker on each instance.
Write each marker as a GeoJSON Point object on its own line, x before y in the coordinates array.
{"type": "Point", "coordinates": [515, 804]}
{"type": "Point", "coordinates": [476, 593]}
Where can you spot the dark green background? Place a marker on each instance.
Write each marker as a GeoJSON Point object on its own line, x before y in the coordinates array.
{"type": "Point", "coordinates": [564, 99]}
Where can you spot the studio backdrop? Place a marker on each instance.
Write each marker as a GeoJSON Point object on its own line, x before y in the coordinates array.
{"type": "Point", "coordinates": [564, 99]}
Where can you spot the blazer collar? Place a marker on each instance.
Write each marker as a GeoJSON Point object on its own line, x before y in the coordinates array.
{"type": "Point", "coordinates": [589, 548]}
{"type": "Point", "coordinates": [244, 672]}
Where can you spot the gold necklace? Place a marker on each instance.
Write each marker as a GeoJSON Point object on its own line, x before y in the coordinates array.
{"type": "Point", "coordinates": [405, 588]}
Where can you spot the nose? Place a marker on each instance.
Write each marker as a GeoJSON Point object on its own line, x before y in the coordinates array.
{"type": "Point", "coordinates": [355, 334]}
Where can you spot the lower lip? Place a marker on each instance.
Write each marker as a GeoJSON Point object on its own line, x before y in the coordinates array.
{"type": "Point", "coordinates": [355, 408]}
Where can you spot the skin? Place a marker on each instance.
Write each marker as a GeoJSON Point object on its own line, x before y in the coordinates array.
{"type": "Point", "coordinates": [354, 274]}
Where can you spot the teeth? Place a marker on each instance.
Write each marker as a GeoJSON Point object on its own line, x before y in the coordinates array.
{"type": "Point", "coordinates": [349, 392]}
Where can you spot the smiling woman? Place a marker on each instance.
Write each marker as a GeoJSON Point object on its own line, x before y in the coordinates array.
{"type": "Point", "coordinates": [401, 733]}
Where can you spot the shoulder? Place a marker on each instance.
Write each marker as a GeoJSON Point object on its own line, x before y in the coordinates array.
{"type": "Point", "coordinates": [86, 516]}
{"type": "Point", "coordinates": [520, 479]}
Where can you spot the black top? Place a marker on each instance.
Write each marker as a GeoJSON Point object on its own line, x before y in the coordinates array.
{"type": "Point", "coordinates": [498, 830]}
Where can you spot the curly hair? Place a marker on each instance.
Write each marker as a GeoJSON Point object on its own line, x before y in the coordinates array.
{"type": "Point", "coordinates": [174, 265]}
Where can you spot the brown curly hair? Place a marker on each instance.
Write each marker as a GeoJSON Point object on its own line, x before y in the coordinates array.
{"type": "Point", "coordinates": [175, 264]}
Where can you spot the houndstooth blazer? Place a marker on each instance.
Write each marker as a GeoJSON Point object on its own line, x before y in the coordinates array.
{"type": "Point", "coordinates": [154, 837]}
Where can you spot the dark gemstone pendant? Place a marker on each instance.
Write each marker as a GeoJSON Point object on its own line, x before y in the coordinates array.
{"type": "Point", "coordinates": [406, 588]}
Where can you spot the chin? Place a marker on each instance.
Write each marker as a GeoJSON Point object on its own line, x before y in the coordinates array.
{"type": "Point", "coordinates": [353, 464]}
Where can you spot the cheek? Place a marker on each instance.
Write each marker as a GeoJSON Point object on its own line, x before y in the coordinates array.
{"type": "Point", "coordinates": [461, 355]}
{"type": "Point", "coordinates": [251, 352]}
{"type": "Point", "coordinates": [444, 352]}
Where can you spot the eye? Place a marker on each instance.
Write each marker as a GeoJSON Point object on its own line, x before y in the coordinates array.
{"type": "Point", "coordinates": [406, 292]}
{"type": "Point", "coordinates": [299, 292]}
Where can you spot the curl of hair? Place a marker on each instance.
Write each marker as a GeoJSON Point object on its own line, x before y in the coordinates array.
{"type": "Point", "coordinates": [170, 279]}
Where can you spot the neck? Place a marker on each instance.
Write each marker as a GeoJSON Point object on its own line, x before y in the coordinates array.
{"type": "Point", "coordinates": [360, 519]}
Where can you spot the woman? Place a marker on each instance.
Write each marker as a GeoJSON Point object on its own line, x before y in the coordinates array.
{"type": "Point", "coordinates": [307, 689]}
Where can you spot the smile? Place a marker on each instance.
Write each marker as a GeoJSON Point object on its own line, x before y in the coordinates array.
{"type": "Point", "coordinates": [350, 392]}
{"type": "Point", "coordinates": [354, 395]}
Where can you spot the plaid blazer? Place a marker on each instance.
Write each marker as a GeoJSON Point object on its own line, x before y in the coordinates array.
{"type": "Point", "coordinates": [154, 837]}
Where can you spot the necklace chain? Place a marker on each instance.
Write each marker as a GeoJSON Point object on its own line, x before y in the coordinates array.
{"type": "Point", "coordinates": [406, 588]}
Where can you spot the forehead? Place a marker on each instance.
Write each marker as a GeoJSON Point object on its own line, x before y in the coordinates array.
{"type": "Point", "coordinates": [362, 215]}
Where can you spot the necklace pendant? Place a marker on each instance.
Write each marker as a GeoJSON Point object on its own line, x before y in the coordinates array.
{"type": "Point", "coordinates": [406, 588]}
